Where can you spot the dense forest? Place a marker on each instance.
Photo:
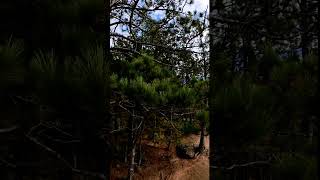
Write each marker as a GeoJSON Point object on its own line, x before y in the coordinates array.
{"type": "Point", "coordinates": [93, 89]}
{"type": "Point", "coordinates": [263, 89]}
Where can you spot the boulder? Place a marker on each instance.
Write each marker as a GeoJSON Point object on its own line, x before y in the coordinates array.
{"type": "Point", "coordinates": [185, 151]}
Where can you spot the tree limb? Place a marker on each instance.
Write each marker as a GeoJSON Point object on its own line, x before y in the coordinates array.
{"type": "Point", "coordinates": [10, 129]}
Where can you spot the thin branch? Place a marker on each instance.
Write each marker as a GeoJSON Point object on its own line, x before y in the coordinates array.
{"type": "Point", "coordinates": [124, 108]}
{"type": "Point", "coordinates": [34, 140]}
{"type": "Point", "coordinates": [10, 129]}
{"type": "Point", "coordinates": [59, 140]}
{"type": "Point", "coordinates": [242, 165]}
{"type": "Point", "coordinates": [136, 52]}
{"type": "Point", "coordinates": [88, 173]}
{"type": "Point", "coordinates": [182, 114]}
{"type": "Point", "coordinates": [54, 127]}
{"type": "Point", "coordinates": [8, 164]}
{"type": "Point", "coordinates": [58, 156]}
{"type": "Point", "coordinates": [169, 121]}
{"type": "Point", "coordinates": [136, 128]}
{"type": "Point", "coordinates": [168, 48]}
{"type": "Point", "coordinates": [131, 17]}
{"type": "Point", "coordinates": [118, 130]}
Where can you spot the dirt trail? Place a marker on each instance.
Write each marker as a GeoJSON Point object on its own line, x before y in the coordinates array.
{"type": "Point", "coordinates": [197, 169]}
{"type": "Point", "coordinates": [172, 168]}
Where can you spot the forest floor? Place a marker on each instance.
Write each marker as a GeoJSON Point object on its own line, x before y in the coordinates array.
{"type": "Point", "coordinates": [163, 164]}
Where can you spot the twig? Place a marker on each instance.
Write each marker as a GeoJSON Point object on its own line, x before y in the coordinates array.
{"type": "Point", "coordinates": [136, 128]}
{"type": "Point", "coordinates": [10, 129]}
{"type": "Point", "coordinates": [118, 130]}
{"type": "Point", "coordinates": [88, 173]}
{"type": "Point", "coordinates": [59, 140]}
{"type": "Point", "coordinates": [182, 114]}
{"type": "Point", "coordinates": [8, 163]}
{"type": "Point", "coordinates": [242, 165]}
{"type": "Point", "coordinates": [145, 108]}
{"type": "Point", "coordinates": [124, 107]}
{"type": "Point", "coordinates": [58, 156]}
{"type": "Point", "coordinates": [33, 128]}
{"type": "Point", "coordinates": [169, 121]}
{"type": "Point", "coordinates": [49, 150]}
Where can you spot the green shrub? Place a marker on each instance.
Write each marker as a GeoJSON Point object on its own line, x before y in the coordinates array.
{"type": "Point", "coordinates": [190, 127]}
{"type": "Point", "coordinates": [294, 167]}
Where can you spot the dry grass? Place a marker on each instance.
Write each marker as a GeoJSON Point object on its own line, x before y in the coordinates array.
{"type": "Point", "coordinates": [162, 164]}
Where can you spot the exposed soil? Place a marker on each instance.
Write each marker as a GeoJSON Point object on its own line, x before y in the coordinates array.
{"type": "Point", "coordinates": [163, 164]}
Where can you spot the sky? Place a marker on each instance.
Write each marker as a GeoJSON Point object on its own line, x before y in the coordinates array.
{"type": "Point", "coordinates": [199, 5]}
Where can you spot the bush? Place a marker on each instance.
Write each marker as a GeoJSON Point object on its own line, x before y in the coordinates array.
{"type": "Point", "coordinates": [243, 111]}
{"type": "Point", "coordinates": [190, 128]}
{"type": "Point", "coordinates": [295, 167]}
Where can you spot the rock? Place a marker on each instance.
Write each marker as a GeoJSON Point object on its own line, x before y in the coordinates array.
{"type": "Point", "coordinates": [185, 151]}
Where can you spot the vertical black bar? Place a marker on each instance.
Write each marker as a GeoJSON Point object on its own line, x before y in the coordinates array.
{"type": "Point", "coordinates": [318, 91]}
{"type": "Point", "coordinates": [211, 85]}
{"type": "Point", "coordinates": [107, 58]}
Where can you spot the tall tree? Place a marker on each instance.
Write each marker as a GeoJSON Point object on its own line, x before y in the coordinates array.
{"type": "Point", "coordinates": [171, 36]}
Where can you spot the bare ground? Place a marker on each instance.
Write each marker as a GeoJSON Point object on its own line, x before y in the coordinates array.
{"type": "Point", "coordinates": [197, 169]}
{"type": "Point", "coordinates": [162, 164]}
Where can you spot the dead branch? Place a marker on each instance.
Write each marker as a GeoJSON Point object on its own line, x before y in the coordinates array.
{"type": "Point", "coordinates": [169, 121]}
{"type": "Point", "coordinates": [242, 165]}
{"type": "Point", "coordinates": [8, 164]}
{"type": "Point", "coordinates": [67, 164]}
{"type": "Point", "coordinates": [7, 130]}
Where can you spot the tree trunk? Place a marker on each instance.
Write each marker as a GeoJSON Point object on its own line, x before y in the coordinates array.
{"type": "Point", "coordinates": [132, 146]}
{"type": "Point", "coordinates": [310, 131]}
{"type": "Point", "coordinates": [304, 29]}
{"type": "Point", "coordinates": [201, 143]}
{"type": "Point", "coordinates": [126, 155]}
{"type": "Point", "coordinates": [154, 131]}
{"type": "Point", "coordinates": [140, 151]}
{"type": "Point", "coordinates": [132, 163]}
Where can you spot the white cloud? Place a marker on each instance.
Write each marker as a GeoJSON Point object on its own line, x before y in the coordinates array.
{"type": "Point", "coordinates": [199, 5]}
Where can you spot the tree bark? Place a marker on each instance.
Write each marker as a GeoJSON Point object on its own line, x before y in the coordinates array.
{"type": "Point", "coordinates": [201, 143]}
{"type": "Point", "coordinates": [310, 131]}
{"type": "Point", "coordinates": [132, 163]}
{"type": "Point", "coordinates": [304, 27]}
{"type": "Point", "coordinates": [132, 146]}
